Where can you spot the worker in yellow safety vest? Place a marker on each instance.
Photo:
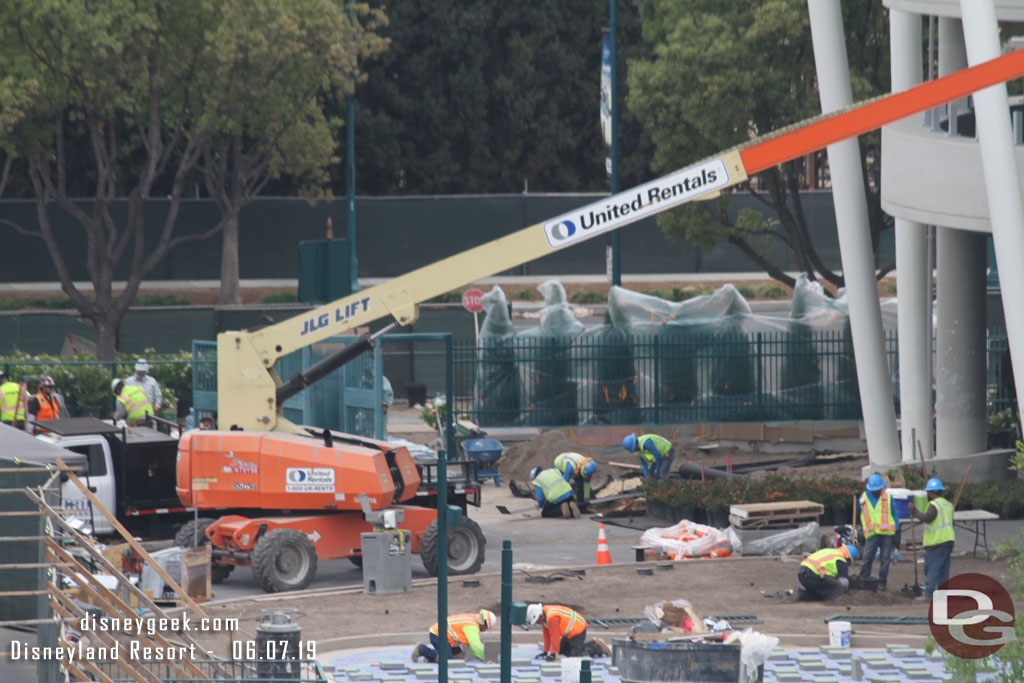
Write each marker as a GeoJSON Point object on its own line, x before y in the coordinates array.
{"type": "Point", "coordinates": [939, 536]}
{"type": "Point", "coordinates": [463, 630]}
{"type": "Point", "coordinates": [12, 402]}
{"type": "Point", "coordinates": [824, 574]}
{"type": "Point", "coordinates": [578, 470]}
{"type": "Point", "coordinates": [655, 453]}
{"type": "Point", "coordinates": [132, 404]}
{"type": "Point", "coordinates": [880, 526]}
{"type": "Point", "coordinates": [553, 493]}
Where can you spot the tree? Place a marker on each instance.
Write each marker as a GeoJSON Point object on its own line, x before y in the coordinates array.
{"type": "Point", "coordinates": [129, 98]}
{"type": "Point", "coordinates": [272, 69]}
{"type": "Point", "coordinates": [723, 73]}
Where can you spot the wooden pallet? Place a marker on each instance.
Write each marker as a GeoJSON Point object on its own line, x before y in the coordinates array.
{"type": "Point", "coordinates": [768, 515]}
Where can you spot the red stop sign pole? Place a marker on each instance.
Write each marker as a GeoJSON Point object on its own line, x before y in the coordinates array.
{"type": "Point", "coordinates": [472, 301]}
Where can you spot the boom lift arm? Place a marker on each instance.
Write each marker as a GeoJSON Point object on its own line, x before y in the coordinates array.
{"type": "Point", "coordinates": [246, 381]}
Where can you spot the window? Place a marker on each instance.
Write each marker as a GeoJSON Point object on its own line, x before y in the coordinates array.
{"type": "Point", "coordinates": [97, 463]}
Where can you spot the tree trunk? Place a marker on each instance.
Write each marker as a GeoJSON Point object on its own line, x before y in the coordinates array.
{"type": "Point", "coordinates": [106, 338]}
{"type": "Point", "coordinates": [230, 292]}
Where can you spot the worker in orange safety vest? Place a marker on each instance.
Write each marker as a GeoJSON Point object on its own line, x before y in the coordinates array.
{"type": "Point", "coordinates": [463, 630]}
{"type": "Point", "coordinates": [565, 632]}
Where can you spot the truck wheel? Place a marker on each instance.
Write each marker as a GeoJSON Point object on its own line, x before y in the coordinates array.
{"type": "Point", "coordinates": [466, 544]}
{"type": "Point", "coordinates": [284, 560]}
{"type": "Point", "coordinates": [357, 560]}
{"type": "Point", "coordinates": [185, 538]}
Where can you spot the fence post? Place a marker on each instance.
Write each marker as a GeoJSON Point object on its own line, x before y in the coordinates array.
{"type": "Point", "coordinates": [759, 359]}
{"type": "Point", "coordinates": [656, 361]}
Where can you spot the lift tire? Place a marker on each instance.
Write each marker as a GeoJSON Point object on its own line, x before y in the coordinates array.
{"type": "Point", "coordinates": [284, 560]}
{"type": "Point", "coordinates": [357, 560]}
{"type": "Point", "coordinates": [185, 538]}
{"type": "Point", "coordinates": [466, 548]}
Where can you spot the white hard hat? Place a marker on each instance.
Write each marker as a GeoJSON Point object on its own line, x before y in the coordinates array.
{"type": "Point", "coordinates": [114, 382]}
{"type": "Point", "coordinates": [141, 365]}
{"type": "Point", "coordinates": [488, 619]}
{"type": "Point", "coordinates": [533, 613]}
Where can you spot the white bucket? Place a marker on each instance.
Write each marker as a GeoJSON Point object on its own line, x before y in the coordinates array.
{"type": "Point", "coordinates": [839, 633]}
{"type": "Point", "coordinates": [571, 669]}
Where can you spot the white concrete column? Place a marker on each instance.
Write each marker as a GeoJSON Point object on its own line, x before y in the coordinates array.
{"type": "Point", "coordinates": [1002, 181]}
{"type": "Point", "coordinates": [960, 343]}
{"type": "Point", "coordinates": [912, 268]}
{"type": "Point", "coordinates": [855, 239]}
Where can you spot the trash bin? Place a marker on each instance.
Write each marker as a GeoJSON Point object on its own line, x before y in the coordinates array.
{"type": "Point", "coordinates": [387, 561]}
{"type": "Point", "coordinates": [679, 661]}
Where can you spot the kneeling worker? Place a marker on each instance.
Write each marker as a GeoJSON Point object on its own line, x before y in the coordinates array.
{"type": "Point", "coordinates": [463, 629]}
{"type": "Point", "coordinates": [553, 493]}
{"type": "Point", "coordinates": [565, 632]}
{"type": "Point", "coordinates": [577, 470]}
{"type": "Point", "coordinates": [655, 453]}
{"type": "Point", "coordinates": [825, 574]}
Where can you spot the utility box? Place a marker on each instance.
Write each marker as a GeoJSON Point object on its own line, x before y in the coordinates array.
{"type": "Point", "coordinates": [325, 270]}
{"type": "Point", "coordinates": [387, 561]}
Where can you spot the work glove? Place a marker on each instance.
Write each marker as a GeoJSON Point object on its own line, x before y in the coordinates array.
{"type": "Point", "coordinates": [845, 583]}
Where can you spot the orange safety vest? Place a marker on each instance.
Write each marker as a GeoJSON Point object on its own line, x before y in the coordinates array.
{"type": "Point", "coordinates": [457, 624]}
{"type": "Point", "coordinates": [49, 409]}
{"type": "Point", "coordinates": [563, 621]}
{"type": "Point", "coordinates": [823, 562]}
{"type": "Point", "coordinates": [877, 519]}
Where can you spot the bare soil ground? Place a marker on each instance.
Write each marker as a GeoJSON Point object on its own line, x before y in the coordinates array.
{"type": "Point", "coordinates": [715, 587]}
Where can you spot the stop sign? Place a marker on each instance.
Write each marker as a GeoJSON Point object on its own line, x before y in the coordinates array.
{"type": "Point", "coordinates": [471, 300]}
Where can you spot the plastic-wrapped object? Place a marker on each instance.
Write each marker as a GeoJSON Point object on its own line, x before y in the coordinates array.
{"type": "Point", "coordinates": [687, 540]}
{"type": "Point", "coordinates": [783, 543]}
{"type": "Point", "coordinates": [544, 355]}
{"type": "Point", "coordinates": [655, 613]}
{"type": "Point", "coordinates": [606, 377]}
{"type": "Point", "coordinates": [497, 390]}
{"type": "Point", "coordinates": [754, 650]}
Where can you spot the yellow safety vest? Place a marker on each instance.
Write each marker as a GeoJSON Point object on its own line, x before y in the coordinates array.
{"type": "Point", "coordinates": [575, 459]}
{"type": "Point", "coordinates": [823, 562]}
{"type": "Point", "coordinates": [940, 529]}
{"type": "Point", "coordinates": [136, 405]}
{"type": "Point", "coordinates": [10, 406]}
{"type": "Point", "coordinates": [552, 485]}
{"type": "Point", "coordinates": [662, 444]}
{"type": "Point", "coordinates": [877, 519]}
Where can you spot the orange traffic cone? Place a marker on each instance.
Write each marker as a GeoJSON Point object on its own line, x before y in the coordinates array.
{"type": "Point", "coordinates": [604, 556]}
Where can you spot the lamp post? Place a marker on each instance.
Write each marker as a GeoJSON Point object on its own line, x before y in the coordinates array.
{"type": "Point", "coordinates": [614, 111]}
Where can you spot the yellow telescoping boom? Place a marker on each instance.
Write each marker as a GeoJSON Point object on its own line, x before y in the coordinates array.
{"type": "Point", "coordinates": [247, 383]}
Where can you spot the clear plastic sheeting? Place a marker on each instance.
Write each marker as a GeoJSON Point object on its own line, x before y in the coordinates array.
{"type": "Point", "coordinates": [497, 388]}
{"type": "Point", "coordinates": [706, 359]}
{"type": "Point", "coordinates": [782, 543]}
{"type": "Point", "coordinates": [544, 356]}
{"type": "Point", "coordinates": [755, 647]}
{"type": "Point", "coordinates": [688, 540]}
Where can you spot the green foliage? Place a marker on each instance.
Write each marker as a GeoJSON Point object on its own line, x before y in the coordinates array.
{"type": "Point", "coordinates": [524, 294]}
{"type": "Point", "coordinates": [719, 494]}
{"type": "Point", "coordinates": [433, 410]}
{"type": "Point", "coordinates": [772, 292]}
{"type": "Point", "coordinates": [586, 297]}
{"type": "Point", "coordinates": [159, 300]}
{"type": "Point", "coordinates": [1002, 419]}
{"type": "Point", "coordinates": [280, 298]}
{"type": "Point", "coordinates": [723, 73]}
{"type": "Point", "coordinates": [746, 291]}
{"type": "Point", "coordinates": [452, 297]}
{"type": "Point", "coordinates": [890, 287]}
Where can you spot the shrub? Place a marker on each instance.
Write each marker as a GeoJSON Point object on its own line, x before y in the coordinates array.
{"type": "Point", "coordinates": [746, 291]}
{"type": "Point", "coordinates": [772, 291]}
{"type": "Point", "coordinates": [452, 297]}
{"type": "Point", "coordinates": [160, 300]}
{"type": "Point", "coordinates": [524, 294]}
{"type": "Point", "coordinates": [586, 297]}
{"type": "Point", "coordinates": [280, 298]}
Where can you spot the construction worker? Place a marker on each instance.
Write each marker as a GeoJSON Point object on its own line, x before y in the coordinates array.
{"type": "Point", "coordinates": [825, 574]}
{"type": "Point", "coordinates": [655, 453]}
{"type": "Point", "coordinates": [132, 404]}
{"type": "Point", "coordinates": [143, 380]}
{"type": "Point", "coordinates": [565, 632]}
{"type": "Point", "coordinates": [12, 405]}
{"type": "Point", "coordinates": [577, 470]}
{"type": "Point", "coordinates": [879, 522]}
{"type": "Point", "coordinates": [44, 405]}
{"type": "Point", "coordinates": [553, 493]}
{"type": "Point", "coordinates": [463, 629]}
{"type": "Point", "coordinates": [939, 536]}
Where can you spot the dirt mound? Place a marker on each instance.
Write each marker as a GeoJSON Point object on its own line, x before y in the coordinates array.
{"type": "Point", "coordinates": [517, 460]}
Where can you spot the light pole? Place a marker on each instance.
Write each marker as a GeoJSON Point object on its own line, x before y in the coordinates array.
{"type": "Point", "coordinates": [614, 111]}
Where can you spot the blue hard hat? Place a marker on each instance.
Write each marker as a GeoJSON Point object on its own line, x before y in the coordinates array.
{"type": "Point", "coordinates": [629, 443]}
{"type": "Point", "coordinates": [589, 469]}
{"type": "Point", "coordinates": [934, 484]}
{"type": "Point", "coordinates": [534, 472]}
{"type": "Point", "coordinates": [852, 549]}
{"type": "Point", "coordinates": [875, 483]}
